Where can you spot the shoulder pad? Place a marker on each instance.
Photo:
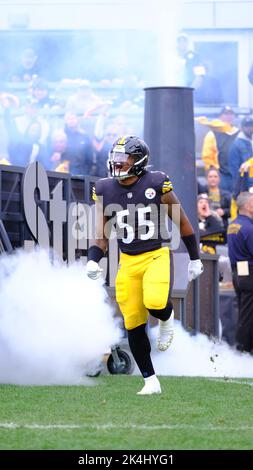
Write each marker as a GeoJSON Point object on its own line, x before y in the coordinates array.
{"type": "Point", "coordinates": [162, 181]}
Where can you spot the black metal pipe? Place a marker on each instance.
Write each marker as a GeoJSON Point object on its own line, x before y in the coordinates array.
{"type": "Point", "coordinates": [169, 132]}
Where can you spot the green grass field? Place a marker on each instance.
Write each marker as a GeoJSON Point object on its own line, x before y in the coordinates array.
{"type": "Point", "coordinates": [191, 413]}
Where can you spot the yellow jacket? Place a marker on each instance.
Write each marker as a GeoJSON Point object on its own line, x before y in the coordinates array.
{"type": "Point", "coordinates": [209, 149]}
{"type": "Point", "coordinates": [250, 161]}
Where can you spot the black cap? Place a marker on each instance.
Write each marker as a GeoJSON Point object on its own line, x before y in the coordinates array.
{"type": "Point", "coordinates": [247, 121]}
{"type": "Point", "coordinates": [227, 110]}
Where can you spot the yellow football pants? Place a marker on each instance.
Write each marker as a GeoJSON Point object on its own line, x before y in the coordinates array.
{"type": "Point", "coordinates": [142, 282]}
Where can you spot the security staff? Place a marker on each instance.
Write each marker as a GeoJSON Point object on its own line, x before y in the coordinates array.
{"type": "Point", "coordinates": [131, 200]}
{"type": "Point", "coordinates": [240, 250]}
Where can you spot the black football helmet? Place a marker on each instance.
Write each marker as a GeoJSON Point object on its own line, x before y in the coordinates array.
{"type": "Point", "coordinates": [122, 149]}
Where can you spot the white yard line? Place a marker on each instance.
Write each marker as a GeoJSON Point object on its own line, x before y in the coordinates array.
{"type": "Point", "coordinates": [104, 427]}
{"type": "Point", "coordinates": [233, 381]}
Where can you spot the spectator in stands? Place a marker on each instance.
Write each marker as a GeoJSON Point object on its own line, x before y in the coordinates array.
{"type": "Point", "coordinates": [57, 154]}
{"type": "Point", "coordinates": [245, 178]}
{"type": "Point", "coordinates": [102, 145]}
{"type": "Point", "coordinates": [193, 64]}
{"type": "Point", "coordinates": [240, 250]}
{"type": "Point", "coordinates": [130, 95]}
{"type": "Point", "coordinates": [6, 100]}
{"type": "Point", "coordinates": [126, 125]}
{"type": "Point", "coordinates": [217, 143]}
{"type": "Point", "coordinates": [88, 105]}
{"type": "Point", "coordinates": [211, 227]}
{"type": "Point", "coordinates": [241, 152]}
{"type": "Point", "coordinates": [21, 122]}
{"type": "Point", "coordinates": [39, 90]}
{"type": "Point", "coordinates": [27, 148]}
{"type": "Point", "coordinates": [84, 101]}
{"type": "Point", "coordinates": [79, 150]}
{"type": "Point", "coordinates": [209, 92]}
{"type": "Point", "coordinates": [220, 200]}
{"type": "Point", "coordinates": [243, 184]}
{"type": "Point", "coordinates": [25, 143]}
{"type": "Point", "coordinates": [28, 67]}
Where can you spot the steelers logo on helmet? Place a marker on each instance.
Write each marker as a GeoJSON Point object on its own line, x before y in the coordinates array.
{"type": "Point", "coordinates": [128, 157]}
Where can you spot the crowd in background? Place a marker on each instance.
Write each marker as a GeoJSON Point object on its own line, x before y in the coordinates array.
{"type": "Point", "coordinates": [67, 126]}
{"type": "Point", "coordinates": [70, 125]}
{"type": "Point", "coordinates": [227, 159]}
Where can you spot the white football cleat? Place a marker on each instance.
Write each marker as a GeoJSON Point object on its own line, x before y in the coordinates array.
{"type": "Point", "coordinates": [165, 333]}
{"type": "Point", "coordinates": [152, 386]}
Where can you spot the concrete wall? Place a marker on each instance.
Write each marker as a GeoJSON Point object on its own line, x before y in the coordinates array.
{"type": "Point", "coordinates": [219, 14]}
{"type": "Point", "coordinates": [59, 14]}
{"type": "Point", "coordinates": [79, 14]}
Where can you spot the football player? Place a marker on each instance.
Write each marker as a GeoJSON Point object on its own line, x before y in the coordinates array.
{"type": "Point", "coordinates": [131, 199]}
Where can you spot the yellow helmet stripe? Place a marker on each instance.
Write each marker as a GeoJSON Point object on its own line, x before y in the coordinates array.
{"type": "Point", "coordinates": [122, 140]}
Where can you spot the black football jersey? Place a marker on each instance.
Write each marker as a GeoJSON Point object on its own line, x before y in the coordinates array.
{"type": "Point", "coordinates": [135, 211]}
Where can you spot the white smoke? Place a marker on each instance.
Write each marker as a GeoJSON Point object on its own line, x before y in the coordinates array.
{"type": "Point", "coordinates": [55, 323]}
{"type": "Point", "coordinates": [199, 356]}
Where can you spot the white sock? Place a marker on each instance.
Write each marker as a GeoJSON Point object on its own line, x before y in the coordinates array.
{"type": "Point", "coordinates": [151, 378]}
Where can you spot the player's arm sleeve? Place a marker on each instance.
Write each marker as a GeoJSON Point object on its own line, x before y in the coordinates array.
{"type": "Point", "coordinates": [172, 201]}
{"type": "Point", "coordinates": [210, 152]}
{"type": "Point", "coordinates": [180, 219]}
